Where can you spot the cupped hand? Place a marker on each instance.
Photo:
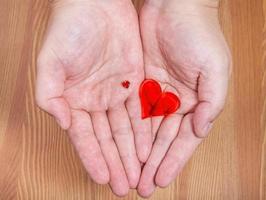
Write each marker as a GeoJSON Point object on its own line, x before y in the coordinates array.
{"type": "Point", "coordinates": [185, 51]}
{"type": "Point", "coordinates": [90, 48]}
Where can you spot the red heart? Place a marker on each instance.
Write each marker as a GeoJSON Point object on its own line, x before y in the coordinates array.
{"type": "Point", "coordinates": [125, 84]}
{"type": "Point", "coordinates": [154, 102]}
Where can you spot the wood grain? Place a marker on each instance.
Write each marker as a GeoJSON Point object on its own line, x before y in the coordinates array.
{"type": "Point", "coordinates": [37, 160]}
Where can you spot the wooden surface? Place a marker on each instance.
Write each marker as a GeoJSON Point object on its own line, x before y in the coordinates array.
{"type": "Point", "coordinates": [37, 160]}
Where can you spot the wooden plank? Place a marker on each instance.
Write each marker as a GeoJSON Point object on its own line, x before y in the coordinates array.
{"type": "Point", "coordinates": [37, 160]}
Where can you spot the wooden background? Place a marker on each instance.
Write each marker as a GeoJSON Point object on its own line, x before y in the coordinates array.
{"type": "Point", "coordinates": [37, 160]}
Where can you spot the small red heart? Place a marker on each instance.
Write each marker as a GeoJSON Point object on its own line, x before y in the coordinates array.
{"type": "Point", "coordinates": [154, 102]}
{"type": "Point", "coordinates": [125, 84]}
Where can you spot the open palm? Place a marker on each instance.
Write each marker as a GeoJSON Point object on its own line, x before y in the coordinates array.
{"type": "Point", "coordinates": [91, 48]}
{"type": "Point", "coordinates": [184, 51]}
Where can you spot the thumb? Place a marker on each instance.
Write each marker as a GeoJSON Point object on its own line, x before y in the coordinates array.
{"type": "Point", "coordinates": [212, 89]}
{"type": "Point", "coordinates": [49, 90]}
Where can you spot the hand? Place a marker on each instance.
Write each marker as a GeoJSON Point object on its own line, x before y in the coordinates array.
{"type": "Point", "coordinates": [184, 50]}
{"type": "Point", "coordinates": [90, 48]}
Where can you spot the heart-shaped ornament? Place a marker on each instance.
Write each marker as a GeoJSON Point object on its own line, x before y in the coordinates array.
{"type": "Point", "coordinates": [155, 102]}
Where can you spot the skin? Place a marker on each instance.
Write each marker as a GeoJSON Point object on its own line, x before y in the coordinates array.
{"type": "Point", "coordinates": [185, 51]}
{"type": "Point", "coordinates": [89, 49]}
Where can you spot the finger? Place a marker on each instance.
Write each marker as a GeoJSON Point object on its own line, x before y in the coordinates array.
{"type": "Point", "coordinates": [211, 93]}
{"type": "Point", "coordinates": [166, 134]}
{"type": "Point", "coordinates": [85, 142]}
{"type": "Point", "coordinates": [118, 177]}
{"type": "Point", "coordinates": [49, 90]}
{"type": "Point", "coordinates": [141, 128]}
{"type": "Point", "coordinates": [124, 139]}
{"type": "Point", "coordinates": [156, 123]}
{"type": "Point", "coordinates": [179, 153]}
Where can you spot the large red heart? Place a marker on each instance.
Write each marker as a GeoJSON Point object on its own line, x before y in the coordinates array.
{"type": "Point", "coordinates": [155, 102]}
